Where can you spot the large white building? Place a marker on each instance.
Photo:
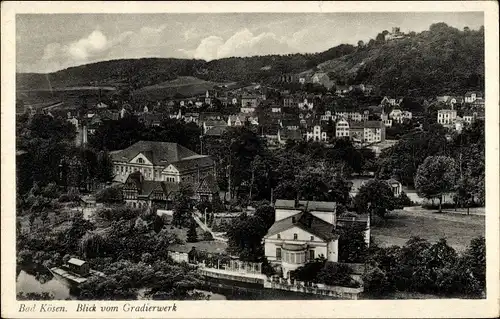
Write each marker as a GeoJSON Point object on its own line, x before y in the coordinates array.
{"type": "Point", "coordinates": [362, 132]}
{"type": "Point", "coordinates": [447, 117]}
{"type": "Point", "coordinates": [471, 97]}
{"type": "Point", "coordinates": [304, 231]}
{"type": "Point", "coordinates": [301, 234]}
{"type": "Point", "coordinates": [399, 116]}
{"type": "Point", "coordinates": [316, 134]}
{"type": "Point", "coordinates": [161, 161]}
{"type": "Point", "coordinates": [342, 128]}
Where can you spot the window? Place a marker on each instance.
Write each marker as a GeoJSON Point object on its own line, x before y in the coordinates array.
{"type": "Point", "coordinates": [295, 236]}
{"type": "Point", "coordinates": [312, 237]}
{"type": "Point", "coordinates": [278, 253]}
{"type": "Point", "coordinates": [140, 161]}
{"type": "Point", "coordinates": [279, 236]}
{"type": "Point", "coordinates": [311, 254]}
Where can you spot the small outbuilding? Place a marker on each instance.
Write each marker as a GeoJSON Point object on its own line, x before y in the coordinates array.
{"type": "Point", "coordinates": [78, 266]}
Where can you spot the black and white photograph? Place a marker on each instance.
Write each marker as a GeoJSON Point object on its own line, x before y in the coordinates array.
{"type": "Point", "coordinates": [236, 156]}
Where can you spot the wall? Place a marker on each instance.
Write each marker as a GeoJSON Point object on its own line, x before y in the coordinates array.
{"type": "Point", "coordinates": [333, 248]}
{"type": "Point", "coordinates": [178, 256]}
{"type": "Point", "coordinates": [303, 237]}
{"type": "Point", "coordinates": [332, 291]}
{"type": "Point", "coordinates": [328, 217]}
{"type": "Point", "coordinates": [284, 213]}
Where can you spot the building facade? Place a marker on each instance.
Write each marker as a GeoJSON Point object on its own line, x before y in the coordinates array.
{"type": "Point", "coordinates": [316, 134]}
{"type": "Point", "coordinates": [447, 117]}
{"type": "Point", "coordinates": [161, 161]}
{"type": "Point", "coordinates": [342, 128]}
{"type": "Point", "coordinates": [302, 232]}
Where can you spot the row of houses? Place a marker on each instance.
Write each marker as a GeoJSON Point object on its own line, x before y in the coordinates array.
{"type": "Point", "coordinates": [474, 99]}
{"type": "Point", "coordinates": [449, 118]}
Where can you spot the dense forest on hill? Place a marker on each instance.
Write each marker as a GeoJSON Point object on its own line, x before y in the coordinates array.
{"type": "Point", "coordinates": [440, 60]}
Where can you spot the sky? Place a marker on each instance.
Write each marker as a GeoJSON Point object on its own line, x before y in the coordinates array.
{"type": "Point", "coordinates": [51, 42]}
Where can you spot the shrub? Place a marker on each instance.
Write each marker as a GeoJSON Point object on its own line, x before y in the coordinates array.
{"type": "Point", "coordinates": [68, 197]}
{"type": "Point", "coordinates": [207, 236]}
{"type": "Point", "coordinates": [309, 272]}
{"type": "Point", "coordinates": [376, 282]}
{"type": "Point", "coordinates": [51, 190]}
{"type": "Point", "coordinates": [336, 274]}
{"type": "Point", "coordinates": [118, 213]}
{"type": "Point", "coordinates": [403, 201]}
{"type": "Point", "coordinates": [35, 296]}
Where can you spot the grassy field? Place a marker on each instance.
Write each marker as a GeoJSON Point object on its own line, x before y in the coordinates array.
{"type": "Point", "coordinates": [458, 230]}
{"type": "Point", "coordinates": [185, 85]}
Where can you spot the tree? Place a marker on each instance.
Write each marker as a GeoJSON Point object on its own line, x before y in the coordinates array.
{"type": "Point", "coordinates": [475, 259]}
{"type": "Point", "coordinates": [375, 197]}
{"type": "Point", "coordinates": [192, 236]}
{"type": "Point", "coordinates": [71, 237]}
{"type": "Point", "coordinates": [182, 206]}
{"type": "Point", "coordinates": [402, 160]}
{"type": "Point", "coordinates": [92, 245]}
{"type": "Point", "coordinates": [109, 195]}
{"type": "Point", "coordinates": [104, 171]}
{"type": "Point", "coordinates": [352, 245]}
{"type": "Point", "coordinates": [440, 255]}
{"type": "Point", "coordinates": [267, 214]}
{"type": "Point", "coordinates": [361, 44]}
{"type": "Point", "coordinates": [412, 273]}
{"type": "Point", "coordinates": [158, 223]}
{"type": "Point", "coordinates": [245, 235]}
{"type": "Point", "coordinates": [435, 177]}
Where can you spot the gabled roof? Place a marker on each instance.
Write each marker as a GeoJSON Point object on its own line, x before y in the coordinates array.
{"type": "Point", "coordinates": [75, 261]}
{"type": "Point", "coordinates": [360, 224]}
{"type": "Point", "coordinates": [392, 181]}
{"type": "Point", "coordinates": [147, 187]}
{"type": "Point", "coordinates": [474, 92]}
{"type": "Point", "coordinates": [158, 153]}
{"type": "Point", "coordinates": [291, 135]}
{"type": "Point", "coordinates": [207, 185]}
{"type": "Point", "coordinates": [307, 222]}
{"type": "Point", "coordinates": [215, 123]}
{"type": "Point", "coordinates": [311, 205]}
{"type": "Point", "coordinates": [193, 162]}
{"type": "Point", "coordinates": [373, 124]}
{"type": "Point", "coordinates": [216, 131]}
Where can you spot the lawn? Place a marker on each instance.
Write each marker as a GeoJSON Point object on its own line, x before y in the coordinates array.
{"type": "Point", "coordinates": [458, 230]}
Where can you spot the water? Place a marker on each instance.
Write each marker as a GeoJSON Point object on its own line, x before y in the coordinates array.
{"type": "Point", "coordinates": [40, 280]}
{"type": "Point", "coordinates": [26, 283]}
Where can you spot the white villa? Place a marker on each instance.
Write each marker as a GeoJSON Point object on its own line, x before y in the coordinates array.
{"type": "Point", "coordinates": [302, 232]}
